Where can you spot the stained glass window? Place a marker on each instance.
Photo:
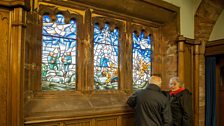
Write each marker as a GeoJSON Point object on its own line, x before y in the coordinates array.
{"type": "Point", "coordinates": [105, 58]}
{"type": "Point", "coordinates": [58, 54]}
{"type": "Point", "coordinates": [141, 48]}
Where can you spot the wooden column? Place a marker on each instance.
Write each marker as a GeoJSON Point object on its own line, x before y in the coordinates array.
{"type": "Point", "coordinates": [88, 62]}
{"type": "Point", "coordinates": [17, 61]}
{"type": "Point", "coordinates": [182, 42]}
{"type": "Point", "coordinates": [13, 24]}
{"type": "Point", "coordinates": [122, 58]}
{"type": "Point", "coordinates": [181, 70]}
{"type": "Point", "coordinates": [128, 73]}
{"type": "Point", "coordinates": [196, 85]}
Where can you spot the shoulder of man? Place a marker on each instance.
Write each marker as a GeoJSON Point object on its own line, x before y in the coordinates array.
{"type": "Point", "coordinates": [188, 92]}
{"type": "Point", "coordinates": [166, 93]}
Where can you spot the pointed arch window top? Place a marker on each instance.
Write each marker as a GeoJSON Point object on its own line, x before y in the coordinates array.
{"type": "Point", "coordinates": [105, 36]}
{"type": "Point", "coordinates": [59, 28]}
{"type": "Point", "coordinates": [60, 19]}
{"type": "Point", "coordinates": [46, 19]}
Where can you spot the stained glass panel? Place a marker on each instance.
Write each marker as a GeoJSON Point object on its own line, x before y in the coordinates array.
{"type": "Point", "coordinates": [58, 54]}
{"type": "Point", "coordinates": [105, 58]}
{"type": "Point", "coordinates": [141, 48]}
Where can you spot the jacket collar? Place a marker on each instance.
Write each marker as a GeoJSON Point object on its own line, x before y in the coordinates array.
{"type": "Point", "coordinates": [153, 87]}
{"type": "Point", "coordinates": [177, 91]}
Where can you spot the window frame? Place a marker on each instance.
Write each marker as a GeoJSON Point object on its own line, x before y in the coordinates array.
{"type": "Point", "coordinates": [101, 21]}
{"type": "Point", "coordinates": [138, 28]}
{"type": "Point", "coordinates": [85, 94]}
{"type": "Point", "coordinates": [85, 19]}
{"type": "Point", "coordinates": [52, 11]}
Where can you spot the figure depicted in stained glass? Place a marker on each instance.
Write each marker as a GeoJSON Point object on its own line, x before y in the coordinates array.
{"type": "Point", "coordinates": [105, 57]}
{"type": "Point", "coordinates": [58, 54]}
{"type": "Point", "coordinates": [67, 61]}
{"type": "Point", "coordinates": [53, 59]}
{"type": "Point", "coordinates": [141, 60]}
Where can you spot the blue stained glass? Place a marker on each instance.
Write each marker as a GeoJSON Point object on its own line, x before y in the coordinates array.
{"type": "Point", "coordinates": [58, 54]}
{"type": "Point", "coordinates": [141, 51]}
{"type": "Point", "coordinates": [60, 19]}
{"type": "Point", "coordinates": [46, 19]}
{"type": "Point", "coordinates": [105, 58]}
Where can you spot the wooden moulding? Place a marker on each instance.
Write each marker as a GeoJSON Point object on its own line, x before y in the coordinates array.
{"type": "Point", "coordinates": [142, 9]}
{"type": "Point", "coordinates": [75, 106]}
{"type": "Point", "coordinates": [5, 87]}
{"type": "Point", "coordinates": [215, 47]}
{"type": "Point", "coordinates": [196, 85]}
{"type": "Point", "coordinates": [25, 4]}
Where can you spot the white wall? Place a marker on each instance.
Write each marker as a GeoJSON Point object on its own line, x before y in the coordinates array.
{"type": "Point", "coordinates": [187, 12]}
{"type": "Point", "coordinates": [196, 5]}
{"type": "Point", "coordinates": [218, 29]}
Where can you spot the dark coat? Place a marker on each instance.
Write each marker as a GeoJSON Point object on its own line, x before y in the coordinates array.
{"type": "Point", "coordinates": [152, 108]}
{"type": "Point", "coordinates": [181, 107]}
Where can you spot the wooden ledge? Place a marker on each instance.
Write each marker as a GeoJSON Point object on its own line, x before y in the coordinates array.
{"type": "Point", "coordinates": [13, 4]}
{"type": "Point", "coordinates": [76, 106]}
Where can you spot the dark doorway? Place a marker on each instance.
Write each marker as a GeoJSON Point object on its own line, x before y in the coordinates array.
{"type": "Point", "coordinates": [210, 91]}
{"type": "Point", "coordinates": [214, 90]}
{"type": "Point", "coordinates": [220, 89]}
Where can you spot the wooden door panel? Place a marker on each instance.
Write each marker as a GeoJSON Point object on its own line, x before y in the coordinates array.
{"type": "Point", "coordinates": [4, 64]}
{"type": "Point", "coordinates": [46, 124]}
{"type": "Point", "coordinates": [106, 122]}
{"type": "Point", "coordinates": [78, 123]}
{"type": "Point", "coordinates": [128, 120]}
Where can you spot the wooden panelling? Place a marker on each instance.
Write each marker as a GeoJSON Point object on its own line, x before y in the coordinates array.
{"type": "Point", "coordinates": [215, 47]}
{"type": "Point", "coordinates": [106, 121]}
{"type": "Point", "coordinates": [215, 50]}
{"type": "Point", "coordinates": [47, 124]}
{"type": "Point", "coordinates": [143, 9]}
{"type": "Point", "coordinates": [97, 120]}
{"type": "Point", "coordinates": [12, 24]}
{"type": "Point", "coordinates": [17, 65]}
{"type": "Point", "coordinates": [128, 120]}
{"type": "Point", "coordinates": [78, 123]}
{"type": "Point", "coordinates": [188, 67]}
{"type": "Point", "coordinates": [4, 65]}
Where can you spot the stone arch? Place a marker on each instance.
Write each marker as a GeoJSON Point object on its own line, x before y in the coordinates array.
{"type": "Point", "coordinates": [205, 19]}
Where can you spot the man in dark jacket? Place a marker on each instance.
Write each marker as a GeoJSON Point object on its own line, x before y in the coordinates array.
{"type": "Point", "coordinates": [152, 108]}
{"type": "Point", "coordinates": [181, 103]}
